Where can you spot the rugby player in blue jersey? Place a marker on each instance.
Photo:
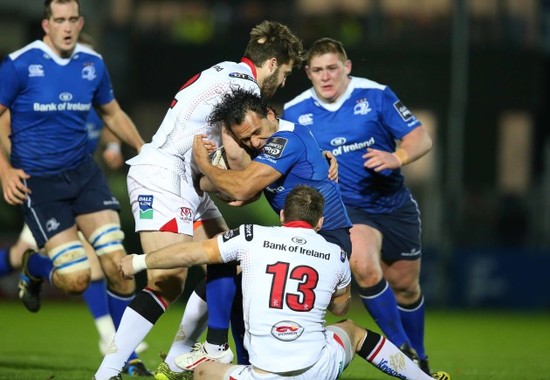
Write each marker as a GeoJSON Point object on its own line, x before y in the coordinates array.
{"type": "Point", "coordinates": [50, 87]}
{"type": "Point", "coordinates": [359, 121]}
{"type": "Point", "coordinates": [287, 155]}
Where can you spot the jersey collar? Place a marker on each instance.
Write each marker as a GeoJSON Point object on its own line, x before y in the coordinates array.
{"type": "Point", "coordinates": [251, 65]}
{"type": "Point", "coordinates": [298, 224]}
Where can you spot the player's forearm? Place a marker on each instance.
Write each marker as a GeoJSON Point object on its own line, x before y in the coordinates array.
{"type": "Point", "coordinates": [233, 184]}
{"type": "Point", "coordinates": [124, 129]}
{"type": "Point", "coordinates": [173, 256]}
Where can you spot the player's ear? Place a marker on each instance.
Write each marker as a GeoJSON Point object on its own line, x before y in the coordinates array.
{"type": "Point", "coordinates": [46, 25]}
{"type": "Point", "coordinates": [319, 224]}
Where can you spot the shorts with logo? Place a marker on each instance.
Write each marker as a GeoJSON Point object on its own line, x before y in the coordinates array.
{"type": "Point", "coordinates": [334, 358]}
{"type": "Point", "coordinates": [163, 200]}
{"type": "Point", "coordinates": [400, 229]}
{"type": "Point", "coordinates": [57, 199]}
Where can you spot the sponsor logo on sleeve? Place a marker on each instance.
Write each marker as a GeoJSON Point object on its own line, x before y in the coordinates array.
{"type": "Point", "coordinates": [145, 206]}
{"type": "Point", "coordinates": [248, 232]}
{"type": "Point", "coordinates": [227, 235]}
{"type": "Point", "coordinates": [275, 147]}
{"type": "Point", "coordinates": [242, 76]}
{"type": "Point", "coordinates": [402, 110]}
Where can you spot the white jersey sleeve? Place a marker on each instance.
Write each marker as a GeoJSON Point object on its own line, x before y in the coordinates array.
{"type": "Point", "coordinates": [289, 277]}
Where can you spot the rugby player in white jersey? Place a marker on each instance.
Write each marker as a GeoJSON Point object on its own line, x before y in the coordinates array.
{"type": "Point", "coordinates": [291, 277]}
{"type": "Point", "coordinates": [163, 187]}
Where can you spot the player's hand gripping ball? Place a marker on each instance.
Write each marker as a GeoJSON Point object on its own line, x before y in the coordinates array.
{"type": "Point", "coordinates": [218, 158]}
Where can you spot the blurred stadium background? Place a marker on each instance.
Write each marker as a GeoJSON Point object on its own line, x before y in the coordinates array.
{"type": "Point", "coordinates": [476, 72]}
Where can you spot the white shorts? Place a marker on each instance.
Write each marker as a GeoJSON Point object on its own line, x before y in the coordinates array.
{"type": "Point", "coordinates": [334, 359]}
{"type": "Point", "coordinates": [163, 200]}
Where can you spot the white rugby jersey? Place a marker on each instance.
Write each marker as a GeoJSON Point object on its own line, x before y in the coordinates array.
{"type": "Point", "coordinates": [289, 276]}
{"type": "Point", "coordinates": [171, 145]}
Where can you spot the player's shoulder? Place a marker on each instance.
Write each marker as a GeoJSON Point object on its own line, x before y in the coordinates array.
{"type": "Point", "coordinates": [235, 71]}
{"type": "Point", "coordinates": [307, 94]}
{"type": "Point", "coordinates": [29, 50]}
{"type": "Point", "coordinates": [87, 51]}
{"type": "Point", "coordinates": [359, 83]}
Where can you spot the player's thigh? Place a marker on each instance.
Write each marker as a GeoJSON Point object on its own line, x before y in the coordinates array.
{"type": "Point", "coordinates": [169, 282]}
{"type": "Point", "coordinates": [365, 258]}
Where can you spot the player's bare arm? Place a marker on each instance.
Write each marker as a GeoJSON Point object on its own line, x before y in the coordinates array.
{"type": "Point", "coordinates": [236, 184]}
{"type": "Point", "coordinates": [176, 255]}
{"type": "Point", "coordinates": [340, 302]}
{"type": "Point", "coordinates": [120, 124]}
{"type": "Point", "coordinates": [414, 145]}
{"type": "Point", "coordinates": [14, 190]}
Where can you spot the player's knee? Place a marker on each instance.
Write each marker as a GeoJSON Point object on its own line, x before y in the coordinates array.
{"type": "Point", "coordinates": [74, 283]}
{"type": "Point", "coordinates": [107, 239]}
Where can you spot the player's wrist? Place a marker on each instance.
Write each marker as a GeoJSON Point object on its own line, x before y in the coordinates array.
{"type": "Point", "coordinates": [402, 156]}
{"type": "Point", "coordinates": [138, 262]}
{"type": "Point", "coordinates": [113, 147]}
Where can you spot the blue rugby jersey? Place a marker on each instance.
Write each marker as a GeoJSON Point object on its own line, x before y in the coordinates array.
{"type": "Point", "coordinates": [368, 114]}
{"type": "Point", "coordinates": [294, 153]}
{"type": "Point", "coordinates": [94, 126]}
{"type": "Point", "coordinates": [50, 98]}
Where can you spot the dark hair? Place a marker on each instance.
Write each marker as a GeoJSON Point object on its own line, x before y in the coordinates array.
{"type": "Point", "coordinates": [234, 106]}
{"type": "Point", "coordinates": [48, 6]}
{"type": "Point", "coordinates": [324, 46]}
{"type": "Point", "coordinates": [304, 203]}
{"type": "Point", "coordinates": [271, 39]}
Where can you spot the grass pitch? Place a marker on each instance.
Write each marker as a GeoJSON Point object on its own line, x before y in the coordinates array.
{"type": "Point", "coordinates": [60, 342]}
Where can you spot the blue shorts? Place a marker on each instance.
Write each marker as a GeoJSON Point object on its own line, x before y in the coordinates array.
{"type": "Point", "coordinates": [400, 230]}
{"type": "Point", "coordinates": [339, 237]}
{"type": "Point", "coordinates": [57, 199]}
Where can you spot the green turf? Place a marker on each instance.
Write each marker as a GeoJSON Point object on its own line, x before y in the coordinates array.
{"type": "Point", "coordinates": [60, 343]}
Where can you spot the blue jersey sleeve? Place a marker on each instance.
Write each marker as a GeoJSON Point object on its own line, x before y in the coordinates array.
{"type": "Point", "coordinates": [396, 117]}
{"type": "Point", "coordinates": [281, 152]}
{"type": "Point", "coordinates": [10, 82]}
{"type": "Point", "coordinates": [104, 93]}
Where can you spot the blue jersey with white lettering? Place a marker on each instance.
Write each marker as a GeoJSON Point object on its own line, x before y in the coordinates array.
{"type": "Point", "coordinates": [367, 115]}
{"type": "Point", "coordinates": [294, 153]}
{"type": "Point", "coordinates": [50, 99]}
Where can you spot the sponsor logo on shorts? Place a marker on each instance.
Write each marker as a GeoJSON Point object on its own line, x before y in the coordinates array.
{"type": "Point", "coordinates": [52, 224]}
{"type": "Point", "coordinates": [286, 331]}
{"type": "Point", "coordinates": [414, 252]}
{"type": "Point", "coordinates": [145, 206]}
{"type": "Point", "coordinates": [230, 234]}
{"type": "Point", "coordinates": [186, 214]}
